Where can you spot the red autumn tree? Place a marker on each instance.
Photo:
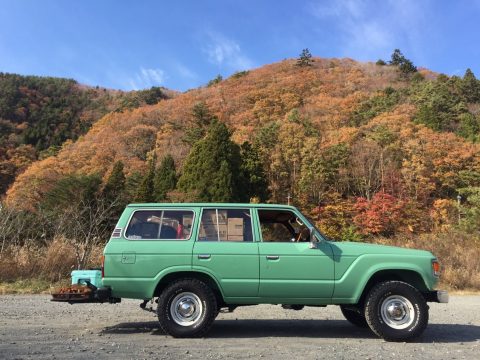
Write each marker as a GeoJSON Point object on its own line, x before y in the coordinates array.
{"type": "Point", "coordinates": [379, 216]}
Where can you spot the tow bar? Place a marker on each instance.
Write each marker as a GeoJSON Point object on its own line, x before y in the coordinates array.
{"type": "Point", "coordinates": [88, 293]}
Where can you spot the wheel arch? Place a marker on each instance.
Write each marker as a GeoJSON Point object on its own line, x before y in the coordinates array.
{"type": "Point", "coordinates": [206, 278]}
{"type": "Point", "coordinates": [411, 277]}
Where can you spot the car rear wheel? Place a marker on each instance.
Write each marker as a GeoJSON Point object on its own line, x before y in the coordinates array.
{"type": "Point", "coordinates": [187, 308]}
{"type": "Point", "coordinates": [396, 311]}
{"type": "Point", "coordinates": [354, 316]}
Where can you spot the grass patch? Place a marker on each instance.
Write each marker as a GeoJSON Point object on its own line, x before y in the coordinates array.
{"type": "Point", "coordinates": [30, 286]}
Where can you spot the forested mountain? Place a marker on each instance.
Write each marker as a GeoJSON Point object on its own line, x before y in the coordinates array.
{"type": "Point", "coordinates": [38, 114]}
{"type": "Point", "coordinates": [365, 148]}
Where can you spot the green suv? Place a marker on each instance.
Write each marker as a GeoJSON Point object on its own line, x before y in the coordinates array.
{"type": "Point", "coordinates": [197, 259]}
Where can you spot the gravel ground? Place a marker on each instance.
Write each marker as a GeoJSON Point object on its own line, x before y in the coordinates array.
{"type": "Point", "coordinates": [32, 327]}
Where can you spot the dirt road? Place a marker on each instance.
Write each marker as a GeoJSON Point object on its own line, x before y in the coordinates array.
{"type": "Point", "coordinates": [32, 327]}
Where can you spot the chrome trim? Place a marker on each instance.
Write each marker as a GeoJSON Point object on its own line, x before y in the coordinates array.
{"type": "Point", "coordinates": [442, 296]}
{"type": "Point", "coordinates": [397, 312]}
{"type": "Point", "coordinates": [186, 309]}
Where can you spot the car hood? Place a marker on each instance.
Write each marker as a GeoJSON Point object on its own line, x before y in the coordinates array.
{"type": "Point", "coordinates": [348, 248]}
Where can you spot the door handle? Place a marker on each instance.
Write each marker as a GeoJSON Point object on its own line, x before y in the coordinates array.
{"type": "Point", "coordinates": [204, 256]}
{"type": "Point", "coordinates": [273, 257]}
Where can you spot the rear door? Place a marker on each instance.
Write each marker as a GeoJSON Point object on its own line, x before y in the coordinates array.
{"type": "Point", "coordinates": [154, 240]}
{"type": "Point", "coordinates": [227, 249]}
{"type": "Point", "coordinates": [289, 267]}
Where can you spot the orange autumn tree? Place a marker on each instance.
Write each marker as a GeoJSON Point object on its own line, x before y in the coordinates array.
{"type": "Point", "coordinates": [379, 216]}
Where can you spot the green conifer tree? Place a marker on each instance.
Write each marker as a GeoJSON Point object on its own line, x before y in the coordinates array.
{"type": "Point", "coordinates": [253, 172]}
{"type": "Point", "coordinates": [114, 194]}
{"type": "Point", "coordinates": [202, 118]}
{"type": "Point", "coordinates": [470, 87]}
{"type": "Point", "coordinates": [405, 66]}
{"type": "Point", "coordinates": [305, 58]}
{"type": "Point", "coordinates": [115, 185]}
{"type": "Point", "coordinates": [145, 191]}
{"type": "Point", "coordinates": [165, 178]}
{"type": "Point", "coordinates": [212, 168]}
{"type": "Point", "coordinates": [222, 188]}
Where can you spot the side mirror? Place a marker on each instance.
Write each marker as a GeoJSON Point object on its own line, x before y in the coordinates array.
{"type": "Point", "coordinates": [313, 239]}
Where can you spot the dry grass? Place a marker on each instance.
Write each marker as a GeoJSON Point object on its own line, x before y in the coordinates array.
{"type": "Point", "coordinates": [458, 253]}
{"type": "Point", "coordinates": [32, 269]}
{"type": "Point", "coordinates": [31, 286]}
{"type": "Point", "coordinates": [38, 269]}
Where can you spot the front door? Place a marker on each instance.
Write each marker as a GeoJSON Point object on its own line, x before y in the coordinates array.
{"type": "Point", "coordinates": [289, 267]}
{"type": "Point", "coordinates": [225, 248]}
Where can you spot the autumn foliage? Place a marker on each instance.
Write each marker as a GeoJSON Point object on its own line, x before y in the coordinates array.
{"type": "Point", "coordinates": [379, 216]}
{"type": "Point", "coordinates": [362, 148]}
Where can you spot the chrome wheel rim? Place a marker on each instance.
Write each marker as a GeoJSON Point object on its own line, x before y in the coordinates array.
{"type": "Point", "coordinates": [397, 312]}
{"type": "Point", "coordinates": [186, 309]}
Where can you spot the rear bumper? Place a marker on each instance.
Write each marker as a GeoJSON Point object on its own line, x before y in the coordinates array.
{"type": "Point", "coordinates": [440, 296]}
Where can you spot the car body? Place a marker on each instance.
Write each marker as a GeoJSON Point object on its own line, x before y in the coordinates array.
{"type": "Point", "coordinates": [247, 254]}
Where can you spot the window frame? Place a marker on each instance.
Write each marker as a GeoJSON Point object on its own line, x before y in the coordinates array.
{"type": "Point", "coordinates": [124, 234]}
{"type": "Point", "coordinates": [252, 224]}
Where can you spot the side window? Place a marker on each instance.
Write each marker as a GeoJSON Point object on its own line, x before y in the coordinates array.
{"type": "Point", "coordinates": [160, 225]}
{"type": "Point", "coordinates": [276, 232]}
{"type": "Point", "coordinates": [226, 225]}
{"type": "Point", "coordinates": [282, 226]}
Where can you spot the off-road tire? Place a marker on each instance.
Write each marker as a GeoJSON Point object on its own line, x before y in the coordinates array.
{"type": "Point", "coordinates": [378, 317]}
{"type": "Point", "coordinates": [355, 317]}
{"type": "Point", "coordinates": [206, 317]}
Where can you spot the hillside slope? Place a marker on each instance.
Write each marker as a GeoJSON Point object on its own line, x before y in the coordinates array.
{"type": "Point", "coordinates": [326, 93]}
{"type": "Point", "coordinates": [329, 134]}
{"type": "Point", "coordinates": [38, 114]}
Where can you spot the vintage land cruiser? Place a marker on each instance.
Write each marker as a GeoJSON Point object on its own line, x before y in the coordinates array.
{"type": "Point", "coordinates": [197, 259]}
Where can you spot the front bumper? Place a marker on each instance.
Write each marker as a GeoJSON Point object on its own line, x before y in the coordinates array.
{"type": "Point", "coordinates": [440, 296]}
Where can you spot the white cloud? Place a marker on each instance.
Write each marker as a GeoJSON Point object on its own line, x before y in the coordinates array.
{"type": "Point", "coordinates": [185, 72]}
{"type": "Point", "coordinates": [337, 8]}
{"type": "Point", "coordinates": [146, 78]}
{"type": "Point", "coordinates": [226, 52]}
{"type": "Point", "coordinates": [369, 29]}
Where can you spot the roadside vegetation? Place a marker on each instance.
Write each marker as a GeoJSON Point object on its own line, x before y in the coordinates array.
{"type": "Point", "coordinates": [384, 153]}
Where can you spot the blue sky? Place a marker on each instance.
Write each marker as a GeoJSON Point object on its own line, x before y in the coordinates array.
{"type": "Point", "coordinates": [183, 44]}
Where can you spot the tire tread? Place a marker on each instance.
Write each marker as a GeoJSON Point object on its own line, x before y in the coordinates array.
{"type": "Point", "coordinates": [211, 313]}
{"type": "Point", "coordinates": [385, 332]}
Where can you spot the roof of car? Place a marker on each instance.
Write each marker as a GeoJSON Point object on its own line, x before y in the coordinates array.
{"type": "Point", "coordinates": [211, 205]}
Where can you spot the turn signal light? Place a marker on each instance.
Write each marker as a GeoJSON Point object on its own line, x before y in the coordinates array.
{"type": "Point", "coordinates": [103, 267]}
{"type": "Point", "coordinates": [436, 268]}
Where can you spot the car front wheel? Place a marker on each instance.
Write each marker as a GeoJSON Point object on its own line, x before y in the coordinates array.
{"type": "Point", "coordinates": [187, 308]}
{"type": "Point", "coordinates": [354, 316]}
{"type": "Point", "coordinates": [396, 311]}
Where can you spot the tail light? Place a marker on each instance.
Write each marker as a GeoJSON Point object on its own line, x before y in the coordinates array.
{"type": "Point", "coordinates": [436, 268]}
{"type": "Point", "coordinates": [103, 267]}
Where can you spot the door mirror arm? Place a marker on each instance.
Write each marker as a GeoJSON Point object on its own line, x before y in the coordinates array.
{"type": "Point", "coordinates": [313, 239]}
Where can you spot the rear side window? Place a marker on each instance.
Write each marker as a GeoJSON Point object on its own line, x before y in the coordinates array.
{"type": "Point", "coordinates": [160, 225]}
{"type": "Point", "coordinates": [226, 225]}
